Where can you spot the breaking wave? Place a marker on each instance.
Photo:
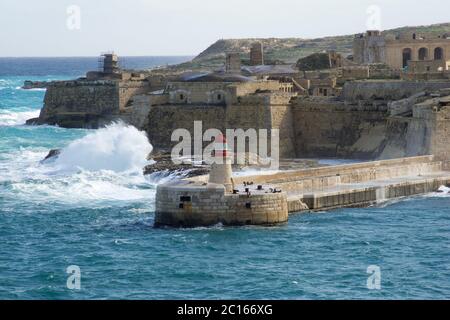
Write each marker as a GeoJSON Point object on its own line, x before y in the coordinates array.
{"type": "Point", "coordinates": [117, 148]}
{"type": "Point", "coordinates": [101, 168]}
{"type": "Point", "coordinates": [15, 118]}
{"type": "Point", "coordinates": [33, 89]}
{"type": "Point", "coordinates": [443, 191]}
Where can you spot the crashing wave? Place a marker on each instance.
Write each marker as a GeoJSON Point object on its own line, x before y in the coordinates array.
{"type": "Point", "coordinates": [117, 147]}
{"type": "Point", "coordinates": [11, 118]}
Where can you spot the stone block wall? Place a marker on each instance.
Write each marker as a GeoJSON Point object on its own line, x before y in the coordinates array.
{"type": "Point", "coordinates": [426, 132]}
{"type": "Point", "coordinates": [440, 140]}
{"type": "Point", "coordinates": [209, 205]}
{"type": "Point", "coordinates": [79, 103]}
{"type": "Point", "coordinates": [387, 90]}
{"type": "Point", "coordinates": [283, 120]}
{"type": "Point", "coordinates": [327, 128]}
{"type": "Point", "coordinates": [323, 177]}
{"type": "Point", "coordinates": [128, 89]}
{"type": "Point", "coordinates": [164, 119]}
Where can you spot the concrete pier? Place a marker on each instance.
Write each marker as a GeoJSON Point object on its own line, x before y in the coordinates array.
{"type": "Point", "coordinates": [268, 199]}
{"type": "Point", "coordinates": [357, 185]}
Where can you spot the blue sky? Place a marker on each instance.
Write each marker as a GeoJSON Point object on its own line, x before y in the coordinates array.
{"type": "Point", "coordinates": [186, 27]}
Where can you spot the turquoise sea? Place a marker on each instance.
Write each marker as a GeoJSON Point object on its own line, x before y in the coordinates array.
{"type": "Point", "coordinates": [92, 208]}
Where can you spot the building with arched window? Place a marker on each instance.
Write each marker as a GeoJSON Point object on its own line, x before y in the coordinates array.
{"type": "Point", "coordinates": [400, 51]}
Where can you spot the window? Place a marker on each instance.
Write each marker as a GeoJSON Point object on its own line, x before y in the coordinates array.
{"type": "Point", "coordinates": [219, 97]}
{"type": "Point", "coordinates": [181, 96]}
{"type": "Point", "coordinates": [438, 54]}
{"type": "Point", "coordinates": [185, 199]}
{"type": "Point", "coordinates": [423, 54]}
{"type": "Point", "coordinates": [407, 56]}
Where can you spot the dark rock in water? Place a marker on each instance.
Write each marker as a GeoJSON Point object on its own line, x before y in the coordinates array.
{"type": "Point", "coordinates": [164, 163]}
{"type": "Point", "coordinates": [440, 191]}
{"type": "Point", "coordinates": [32, 122]}
{"type": "Point", "coordinates": [53, 154]}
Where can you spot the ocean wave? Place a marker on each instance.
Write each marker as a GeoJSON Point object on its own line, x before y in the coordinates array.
{"type": "Point", "coordinates": [98, 169]}
{"type": "Point", "coordinates": [23, 176]}
{"type": "Point", "coordinates": [34, 89]}
{"type": "Point", "coordinates": [14, 118]}
{"type": "Point", "coordinates": [117, 147]}
{"type": "Point", "coordinates": [443, 191]}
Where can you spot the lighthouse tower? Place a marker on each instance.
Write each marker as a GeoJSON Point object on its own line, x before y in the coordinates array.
{"type": "Point", "coordinates": [221, 172]}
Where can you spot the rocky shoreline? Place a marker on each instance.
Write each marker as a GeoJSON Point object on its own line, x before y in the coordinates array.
{"type": "Point", "coordinates": [162, 162]}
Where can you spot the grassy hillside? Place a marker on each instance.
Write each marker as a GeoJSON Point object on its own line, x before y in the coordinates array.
{"type": "Point", "coordinates": [289, 50]}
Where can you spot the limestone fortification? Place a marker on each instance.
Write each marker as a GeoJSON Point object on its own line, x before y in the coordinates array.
{"type": "Point", "coordinates": [389, 100]}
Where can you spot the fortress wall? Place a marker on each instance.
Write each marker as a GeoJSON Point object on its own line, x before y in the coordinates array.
{"type": "Point", "coordinates": [440, 140]}
{"type": "Point", "coordinates": [387, 90]}
{"type": "Point", "coordinates": [195, 92]}
{"type": "Point", "coordinates": [246, 88]}
{"type": "Point", "coordinates": [79, 103]}
{"type": "Point", "coordinates": [332, 129]}
{"type": "Point", "coordinates": [282, 119]}
{"type": "Point", "coordinates": [164, 119]}
{"type": "Point", "coordinates": [427, 132]}
{"type": "Point", "coordinates": [128, 89]}
{"type": "Point", "coordinates": [247, 117]}
{"type": "Point", "coordinates": [250, 116]}
{"type": "Point", "coordinates": [260, 116]}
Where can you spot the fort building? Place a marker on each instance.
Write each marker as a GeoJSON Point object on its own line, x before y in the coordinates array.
{"type": "Point", "coordinates": [397, 52]}
{"type": "Point", "coordinates": [377, 107]}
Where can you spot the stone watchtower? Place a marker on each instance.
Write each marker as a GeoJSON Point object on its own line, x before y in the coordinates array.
{"type": "Point", "coordinates": [221, 172]}
{"type": "Point", "coordinates": [233, 63]}
{"type": "Point", "coordinates": [257, 54]}
{"type": "Point", "coordinates": [110, 63]}
{"type": "Point", "coordinates": [369, 48]}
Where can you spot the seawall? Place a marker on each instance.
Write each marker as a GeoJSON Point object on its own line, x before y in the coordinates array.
{"type": "Point", "coordinates": [359, 184]}
{"type": "Point", "coordinates": [88, 103]}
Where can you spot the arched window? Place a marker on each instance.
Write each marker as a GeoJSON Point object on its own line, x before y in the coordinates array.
{"type": "Point", "coordinates": [407, 56]}
{"type": "Point", "coordinates": [423, 54]}
{"type": "Point", "coordinates": [438, 54]}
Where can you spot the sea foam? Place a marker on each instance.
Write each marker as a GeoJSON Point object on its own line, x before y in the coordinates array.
{"type": "Point", "coordinates": [15, 118]}
{"type": "Point", "coordinates": [117, 147]}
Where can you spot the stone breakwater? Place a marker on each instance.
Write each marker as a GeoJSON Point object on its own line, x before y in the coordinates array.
{"type": "Point", "coordinates": [357, 185]}
{"type": "Point", "coordinates": [269, 199]}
